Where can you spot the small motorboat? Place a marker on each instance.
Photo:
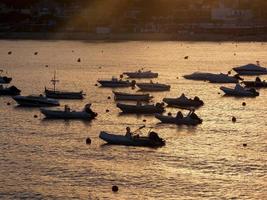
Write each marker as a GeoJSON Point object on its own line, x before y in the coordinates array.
{"type": "Point", "coordinates": [258, 83]}
{"type": "Point", "coordinates": [179, 119]}
{"type": "Point", "coordinates": [114, 83]}
{"type": "Point", "coordinates": [67, 113]}
{"type": "Point", "coordinates": [152, 140]}
{"type": "Point", "coordinates": [120, 96]}
{"type": "Point", "coordinates": [183, 101]}
{"type": "Point", "coordinates": [35, 101]}
{"type": "Point", "coordinates": [4, 79]}
{"type": "Point", "coordinates": [240, 91]}
{"type": "Point", "coordinates": [139, 108]}
{"type": "Point", "coordinates": [9, 90]}
{"type": "Point", "coordinates": [57, 94]}
{"type": "Point", "coordinates": [250, 69]}
{"type": "Point", "coordinates": [153, 86]}
{"type": "Point", "coordinates": [141, 74]}
{"type": "Point", "coordinates": [213, 78]}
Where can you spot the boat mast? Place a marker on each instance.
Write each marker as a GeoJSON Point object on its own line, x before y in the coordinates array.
{"type": "Point", "coordinates": [54, 81]}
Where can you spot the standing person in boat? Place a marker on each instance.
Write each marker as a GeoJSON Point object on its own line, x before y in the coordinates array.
{"type": "Point", "coordinates": [128, 132]}
{"type": "Point", "coordinates": [179, 115]}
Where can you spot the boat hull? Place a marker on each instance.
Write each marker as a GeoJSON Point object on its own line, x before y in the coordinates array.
{"type": "Point", "coordinates": [183, 103]}
{"type": "Point", "coordinates": [233, 92]}
{"type": "Point", "coordinates": [118, 96]}
{"type": "Point", "coordinates": [153, 87]}
{"type": "Point", "coordinates": [178, 121]}
{"type": "Point", "coordinates": [58, 114]}
{"type": "Point", "coordinates": [127, 141]}
{"type": "Point", "coordinates": [115, 84]}
{"type": "Point", "coordinates": [29, 102]}
{"type": "Point", "coordinates": [145, 109]}
{"type": "Point", "coordinates": [63, 95]}
{"type": "Point", "coordinates": [141, 74]}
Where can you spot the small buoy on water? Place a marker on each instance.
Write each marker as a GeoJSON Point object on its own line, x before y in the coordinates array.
{"type": "Point", "coordinates": [244, 145]}
{"type": "Point", "coordinates": [8, 103]}
{"type": "Point", "coordinates": [96, 84]}
{"type": "Point", "coordinates": [177, 77]}
{"type": "Point", "coordinates": [10, 52]}
{"type": "Point", "coordinates": [109, 97]}
{"type": "Point", "coordinates": [79, 60]}
{"type": "Point", "coordinates": [219, 93]}
{"type": "Point", "coordinates": [46, 65]}
{"type": "Point", "coordinates": [99, 67]}
{"type": "Point", "coordinates": [115, 188]}
{"type": "Point", "coordinates": [234, 54]}
{"type": "Point", "coordinates": [186, 57]}
{"type": "Point", "coordinates": [244, 104]}
{"type": "Point", "coordinates": [88, 140]}
{"type": "Point", "coordinates": [144, 120]}
{"type": "Point", "coordinates": [35, 53]}
{"type": "Point", "coordinates": [233, 119]}
{"type": "Point", "coordinates": [107, 110]}
{"type": "Point", "coordinates": [35, 116]}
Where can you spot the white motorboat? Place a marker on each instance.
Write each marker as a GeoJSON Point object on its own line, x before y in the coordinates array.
{"type": "Point", "coordinates": [179, 119]}
{"type": "Point", "coordinates": [120, 96]}
{"type": "Point", "coordinates": [9, 90]}
{"type": "Point", "coordinates": [238, 90]}
{"type": "Point", "coordinates": [213, 78]}
{"type": "Point", "coordinates": [67, 113]}
{"type": "Point", "coordinates": [35, 101]}
{"type": "Point", "coordinates": [183, 101]}
{"type": "Point", "coordinates": [59, 94]}
{"type": "Point", "coordinates": [152, 140]}
{"type": "Point", "coordinates": [114, 82]}
{"type": "Point", "coordinates": [146, 109]}
{"type": "Point", "coordinates": [141, 74]}
{"type": "Point", "coordinates": [153, 86]}
{"type": "Point", "coordinates": [250, 69]}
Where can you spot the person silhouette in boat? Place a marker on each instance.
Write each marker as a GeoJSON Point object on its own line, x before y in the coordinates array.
{"type": "Point", "coordinates": [179, 115]}
{"type": "Point", "coordinates": [258, 79]}
{"type": "Point", "coordinates": [128, 132]}
{"type": "Point", "coordinates": [88, 109]}
{"type": "Point", "coordinates": [66, 108]}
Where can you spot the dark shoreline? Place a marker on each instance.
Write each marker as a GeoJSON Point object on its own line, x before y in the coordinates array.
{"type": "Point", "coordinates": [131, 36]}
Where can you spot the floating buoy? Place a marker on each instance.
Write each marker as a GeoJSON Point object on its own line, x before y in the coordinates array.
{"type": "Point", "coordinates": [219, 93]}
{"type": "Point", "coordinates": [46, 65]}
{"type": "Point", "coordinates": [144, 120]}
{"type": "Point", "coordinates": [72, 51]}
{"type": "Point", "coordinates": [79, 60]}
{"type": "Point", "coordinates": [35, 116]}
{"type": "Point", "coordinates": [244, 145]}
{"type": "Point", "coordinates": [8, 103]}
{"type": "Point", "coordinates": [99, 67]}
{"type": "Point", "coordinates": [115, 188]}
{"type": "Point", "coordinates": [244, 104]}
{"type": "Point", "coordinates": [88, 140]}
{"type": "Point", "coordinates": [35, 53]}
{"type": "Point", "coordinates": [177, 77]}
{"type": "Point", "coordinates": [10, 52]}
{"type": "Point", "coordinates": [186, 57]}
{"type": "Point", "coordinates": [107, 110]}
{"type": "Point", "coordinates": [109, 97]}
{"type": "Point", "coordinates": [96, 84]}
{"type": "Point", "coordinates": [234, 54]}
{"type": "Point", "coordinates": [233, 119]}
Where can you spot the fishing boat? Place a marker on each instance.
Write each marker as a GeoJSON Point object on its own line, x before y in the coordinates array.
{"type": "Point", "coordinates": [153, 86]}
{"type": "Point", "coordinates": [250, 69]}
{"type": "Point", "coordinates": [4, 79]}
{"type": "Point", "coordinates": [152, 140]}
{"type": "Point", "coordinates": [141, 74]}
{"type": "Point", "coordinates": [35, 101]}
{"type": "Point", "coordinates": [240, 91]}
{"type": "Point", "coordinates": [9, 90]}
{"type": "Point", "coordinates": [120, 96]}
{"type": "Point", "coordinates": [115, 83]}
{"type": "Point", "coordinates": [59, 94]}
{"type": "Point", "coordinates": [183, 101]}
{"type": "Point", "coordinates": [139, 108]}
{"type": "Point", "coordinates": [179, 119]}
{"type": "Point", "coordinates": [213, 78]}
{"type": "Point", "coordinates": [258, 83]}
{"type": "Point", "coordinates": [67, 113]}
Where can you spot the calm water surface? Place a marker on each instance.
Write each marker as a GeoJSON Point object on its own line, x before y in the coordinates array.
{"type": "Point", "coordinates": [45, 159]}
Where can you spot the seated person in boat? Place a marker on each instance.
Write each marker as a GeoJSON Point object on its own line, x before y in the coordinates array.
{"type": "Point", "coordinates": [66, 108]}
{"type": "Point", "coordinates": [183, 96]}
{"type": "Point", "coordinates": [179, 115]}
{"type": "Point", "coordinates": [193, 115]}
{"type": "Point", "coordinates": [258, 79]}
{"type": "Point", "coordinates": [128, 132]}
{"type": "Point", "coordinates": [87, 108]}
{"type": "Point", "coordinates": [196, 98]}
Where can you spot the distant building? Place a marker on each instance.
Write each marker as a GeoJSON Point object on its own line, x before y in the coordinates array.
{"type": "Point", "coordinates": [225, 13]}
